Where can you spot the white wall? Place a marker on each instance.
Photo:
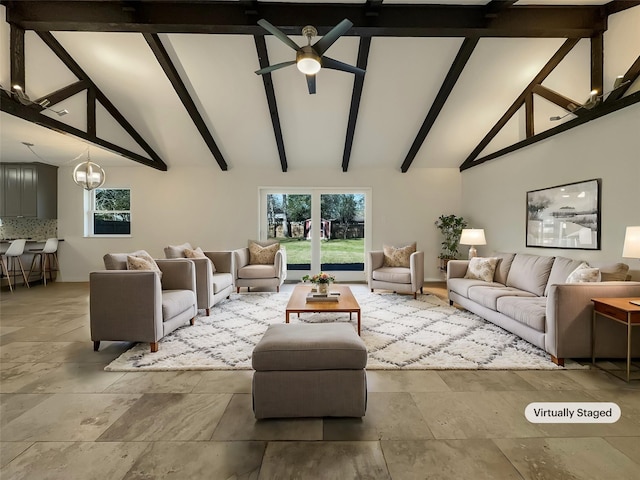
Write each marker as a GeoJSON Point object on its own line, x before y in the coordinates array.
{"type": "Point", "coordinates": [219, 210]}
{"type": "Point", "coordinates": [494, 193]}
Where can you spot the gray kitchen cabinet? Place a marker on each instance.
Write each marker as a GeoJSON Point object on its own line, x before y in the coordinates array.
{"type": "Point", "coordinates": [29, 190]}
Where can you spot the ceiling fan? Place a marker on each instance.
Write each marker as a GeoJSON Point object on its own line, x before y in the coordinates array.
{"type": "Point", "coordinates": [310, 58]}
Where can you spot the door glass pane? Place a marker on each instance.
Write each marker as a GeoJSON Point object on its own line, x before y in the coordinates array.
{"type": "Point", "coordinates": [342, 231]}
{"type": "Point", "coordinates": [288, 220]}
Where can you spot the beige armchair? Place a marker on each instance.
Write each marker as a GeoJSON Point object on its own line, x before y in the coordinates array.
{"type": "Point", "coordinates": [214, 274]}
{"type": "Point", "coordinates": [398, 269]}
{"type": "Point", "coordinates": [140, 305]}
{"type": "Point", "coordinates": [261, 264]}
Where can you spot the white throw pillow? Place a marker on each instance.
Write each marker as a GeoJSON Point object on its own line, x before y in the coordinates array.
{"type": "Point", "coordinates": [584, 273]}
{"type": "Point", "coordinates": [482, 268]}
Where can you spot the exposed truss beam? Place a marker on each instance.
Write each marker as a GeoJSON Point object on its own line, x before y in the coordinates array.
{"type": "Point", "coordinates": [72, 65]}
{"type": "Point", "coordinates": [466, 49]}
{"type": "Point", "coordinates": [559, 99]}
{"type": "Point", "coordinates": [263, 58]}
{"type": "Point", "coordinates": [546, 70]}
{"type": "Point", "coordinates": [495, 7]}
{"type": "Point", "coordinates": [356, 95]}
{"type": "Point", "coordinates": [178, 85]}
{"type": "Point", "coordinates": [64, 92]}
{"type": "Point", "coordinates": [597, 63]}
{"type": "Point", "coordinates": [597, 112]}
{"type": "Point", "coordinates": [16, 51]}
{"type": "Point", "coordinates": [616, 6]}
{"type": "Point", "coordinates": [33, 115]}
{"type": "Point", "coordinates": [631, 76]}
{"type": "Point", "coordinates": [528, 110]}
{"type": "Point", "coordinates": [369, 19]}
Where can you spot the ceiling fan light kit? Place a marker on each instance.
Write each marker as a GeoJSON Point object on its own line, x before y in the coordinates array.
{"type": "Point", "coordinates": [310, 58]}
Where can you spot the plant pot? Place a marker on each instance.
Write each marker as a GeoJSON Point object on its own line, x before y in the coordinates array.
{"type": "Point", "coordinates": [443, 264]}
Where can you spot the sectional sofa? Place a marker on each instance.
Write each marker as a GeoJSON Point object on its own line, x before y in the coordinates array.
{"type": "Point", "coordinates": [529, 296]}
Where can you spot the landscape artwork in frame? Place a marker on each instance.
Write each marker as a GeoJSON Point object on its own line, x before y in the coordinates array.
{"type": "Point", "coordinates": [566, 216]}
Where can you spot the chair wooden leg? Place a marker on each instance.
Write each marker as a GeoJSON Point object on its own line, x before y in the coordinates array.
{"type": "Point", "coordinates": [96, 346]}
{"type": "Point", "coordinates": [208, 310]}
{"type": "Point", "coordinates": [557, 361]}
{"type": "Point", "coordinates": [193, 320]}
{"type": "Point", "coordinates": [238, 290]}
{"type": "Point", "coordinates": [415, 295]}
{"type": "Point", "coordinates": [372, 290]}
{"type": "Point", "coordinates": [154, 347]}
{"type": "Point", "coordinates": [278, 289]}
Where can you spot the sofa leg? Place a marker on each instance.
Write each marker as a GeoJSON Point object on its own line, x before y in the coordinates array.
{"type": "Point", "coordinates": [193, 320]}
{"type": "Point", "coordinates": [372, 290]}
{"type": "Point", "coordinates": [238, 290]}
{"type": "Point", "coordinates": [557, 361]}
{"type": "Point", "coordinates": [278, 289]}
{"type": "Point", "coordinates": [208, 310]}
{"type": "Point", "coordinates": [451, 303]}
{"type": "Point", "coordinates": [96, 346]}
{"type": "Point", "coordinates": [421, 290]}
{"type": "Point", "coordinates": [154, 347]}
{"type": "Point", "coordinates": [415, 295]}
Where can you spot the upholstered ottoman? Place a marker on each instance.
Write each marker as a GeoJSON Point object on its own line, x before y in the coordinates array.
{"type": "Point", "coordinates": [310, 370]}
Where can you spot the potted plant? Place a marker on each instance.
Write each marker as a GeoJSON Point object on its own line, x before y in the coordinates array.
{"type": "Point", "coordinates": [451, 227]}
{"type": "Point", "coordinates": [321, 280]}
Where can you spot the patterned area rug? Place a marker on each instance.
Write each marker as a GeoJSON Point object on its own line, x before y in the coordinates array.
{"type": "Point", "coordinates": [400, 333]}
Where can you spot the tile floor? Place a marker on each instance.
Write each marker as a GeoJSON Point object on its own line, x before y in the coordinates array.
{"type": "Point", "coordinates": [63, 417]}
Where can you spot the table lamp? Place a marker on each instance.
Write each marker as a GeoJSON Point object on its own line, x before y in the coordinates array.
{"type": "Point", "coordinates": [473, 236]}
{"type": "Point", "coordinates": [631, 247]}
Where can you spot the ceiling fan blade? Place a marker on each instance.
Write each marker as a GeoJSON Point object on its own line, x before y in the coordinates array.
{"type": "Point", "coordinates": [311, 83]}
{"type": "Point", "coordinates": [274, 31]}
{"type": "Point", "coordinates": [337, 65]}
{"type": "Point", "coordinates": [277, 66]}
{"type": "Point", "coordinates": [336, 32]}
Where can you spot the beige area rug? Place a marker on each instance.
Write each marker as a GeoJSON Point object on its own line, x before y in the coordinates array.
{"type": "Point", "coordinates": [399, 332]}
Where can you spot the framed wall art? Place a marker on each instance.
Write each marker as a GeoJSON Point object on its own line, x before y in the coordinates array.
{"type": "Point", "coordinates": [565, 216]}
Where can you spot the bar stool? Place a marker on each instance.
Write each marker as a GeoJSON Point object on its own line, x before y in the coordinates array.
{"type": "Point", "coordinates": [13, 253]}
{"type": "Point", "coordinates": [45, 256]}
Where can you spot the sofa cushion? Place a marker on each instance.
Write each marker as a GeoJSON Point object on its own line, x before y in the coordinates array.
{"type": "Point", "coordinates": [461, 286]}
{"type": "Point", "coordinates": [392, 274]}
{"type": "Point", "coordinates": [176, 251]}
{"type": "Point", "coordinates": [329, 346]}
{"type": "Point", "coordinates": [481, 268]}
{"type": "Point", "coordinates": [398, 256]}
{"type": "Point", "coordinates": [530, 273]}
{"type": "Point", "coordinates": [488, 296]}
{"type": "Point", "coordinates": [118, 261]}
{"type": "Point", "coordinates": [221, 281]}
{"type": "Point", "coordinates": [174, 302]}
{"type": "Point", "coordinates": [502, 268]}
{"type": "Point", "coordinates": [257, 271]}
{"type": "Point", "coordinates": [530, 311]}
{"type": "Point", "coordinates": [583, 274]}
{"type": "Point", "coordinates": [263, 255]}
{"type": "Point", "coordinates": [560, 271]}
{"type": "Point", "coordinates": [612, 272]}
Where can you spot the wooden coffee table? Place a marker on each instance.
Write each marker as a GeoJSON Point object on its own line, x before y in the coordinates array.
{"type": "Point", "coordinates": [346, 302]}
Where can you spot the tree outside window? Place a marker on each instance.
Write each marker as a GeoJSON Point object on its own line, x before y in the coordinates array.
{"type": "Point", "coordinates": [111, 211]}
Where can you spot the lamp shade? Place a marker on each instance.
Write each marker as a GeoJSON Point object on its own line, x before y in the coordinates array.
{"type": "Point", "coordinates": [472, 236]}
{"type": "Point", "coordinates": [631, 247]}
{"type": "Point", "coordinates": [89, 175]}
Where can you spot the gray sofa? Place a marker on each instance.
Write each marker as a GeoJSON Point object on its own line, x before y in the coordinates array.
{"type": "Point", "coordinates": [529, 297]}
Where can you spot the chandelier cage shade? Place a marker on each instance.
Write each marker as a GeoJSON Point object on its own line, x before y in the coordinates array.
{"type": "Point", "coordinates": [631, 247]}
{"type": "Point", "coordinates": [89, 175]}
{"type": "Point", "coordinates": [472, 236]}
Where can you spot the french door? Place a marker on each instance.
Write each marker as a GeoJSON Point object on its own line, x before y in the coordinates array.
{"type": "Point", "coordinates": [321, 229]}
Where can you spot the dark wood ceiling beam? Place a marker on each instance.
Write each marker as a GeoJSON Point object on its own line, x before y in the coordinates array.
{"type": "Point", "coordinates": [562, 52]}
{"type": "Point", "coordinates": [32, 114]}
{"type": "Point", "coordinates": [616, 6]}
{"type": "Point", "coordinates": [231, 18]}
{"type": "Point", "coordinates": [528, 109]}
{"type": "Point", "coordinates": [466, 49]}
{"type": "Point", "coordinates": [495, 7]}
{"type": "Point", "coordinates": [263, 58]}
{"type": "Point", "coordinates": [597, 63]}
{"type": "Point", "coordinates": [627, 80]}
{"type": "Point", "coordinates": [356, 95]}
{"type": "Point", "coordinates": [73, 66]}
{"type": "Point", "coordinates": [597, 112]}
{"type": "Point", "coordinates": [554, 97]}
{"type": "Point", "coordinates": [178, 85]}
{"type": "Point", "coordinates": [64, 92]}
{"type": "Point", "coordinates": [16, 52]}
{"type": "Point", "coordinates": [92, 128]}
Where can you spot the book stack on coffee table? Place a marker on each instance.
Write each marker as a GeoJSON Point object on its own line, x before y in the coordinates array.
{"type": "Point", "coordinates": [323, 297]}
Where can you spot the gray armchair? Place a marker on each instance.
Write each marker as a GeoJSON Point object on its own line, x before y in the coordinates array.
{"type": "Point", "coordinates": [408, 278]}
{"type": "Point", "coordinates": [214, 279]}
{"type": "Point", "coordinates": [138, 305]}
{"type": "Point", "coordinates": [269, 275]}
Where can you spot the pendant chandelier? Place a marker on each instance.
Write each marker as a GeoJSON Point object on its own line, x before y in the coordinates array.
{"type": "Point", "coordinates": [89, 175]}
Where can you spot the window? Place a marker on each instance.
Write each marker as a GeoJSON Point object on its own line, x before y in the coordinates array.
{"type": "Point", "coordinates": [109, 212]}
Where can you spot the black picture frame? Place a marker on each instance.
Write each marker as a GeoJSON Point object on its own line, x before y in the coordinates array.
{"type": "Point", "coordinates": [565, 216]}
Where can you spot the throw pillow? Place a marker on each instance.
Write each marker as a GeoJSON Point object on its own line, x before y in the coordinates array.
{"type": "Point", "coordinates": [584, 273]}
{"type": "Point", "coordinates": [142, 261]}
{"type": "Point", "coordinates": [482, 268]}
{"type": "Point", "coordinates": [259, 255]}
{"type": "Point", "coordinates": [176, 251]}
{"type": "Point", "coordinates": [198, 253]}
{"type": "Point", "coordinates": [398, 257]}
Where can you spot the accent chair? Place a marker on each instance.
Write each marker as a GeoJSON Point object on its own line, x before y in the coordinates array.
{"type": "Point", "coordinates": [398, 269]}
{"type": "Point", "coordinates": [261, 264]}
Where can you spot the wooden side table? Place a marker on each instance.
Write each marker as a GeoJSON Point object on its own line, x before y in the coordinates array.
{"type": "Point", "coordinates": [619, 310]}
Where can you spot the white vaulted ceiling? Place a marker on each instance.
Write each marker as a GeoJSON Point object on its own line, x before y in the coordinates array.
{"type": "Point", "coordinates": [404, 75]}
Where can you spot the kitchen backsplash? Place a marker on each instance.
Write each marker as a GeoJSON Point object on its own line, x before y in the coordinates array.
{"type": "Point", "coordinates": [31, 228]}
